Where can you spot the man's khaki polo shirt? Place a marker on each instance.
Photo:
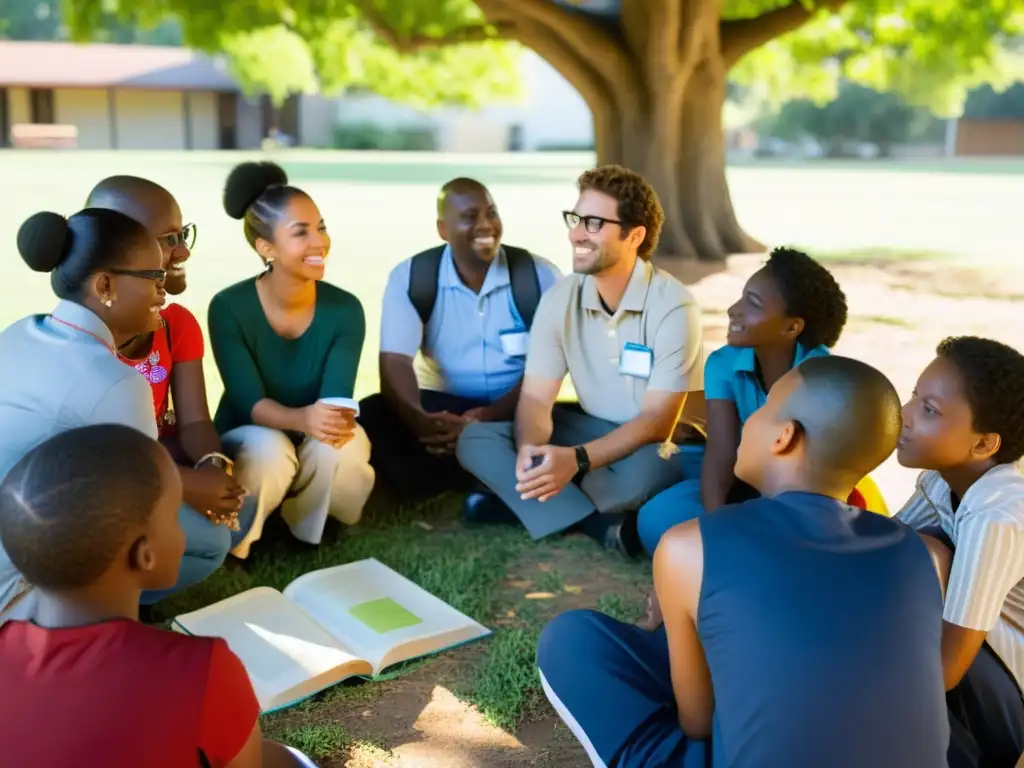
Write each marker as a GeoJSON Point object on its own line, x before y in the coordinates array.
{"type": "Point", "coordinates": [572, 333]}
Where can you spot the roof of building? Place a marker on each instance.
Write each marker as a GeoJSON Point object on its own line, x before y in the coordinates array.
{"type": "Point", "coordinates": [103, 65]}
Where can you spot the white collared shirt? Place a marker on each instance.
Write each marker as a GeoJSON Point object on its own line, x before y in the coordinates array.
{"type": "Point", "coordinates": [57, 377]}
{"type": "Point", "coordinates": [986, 582]}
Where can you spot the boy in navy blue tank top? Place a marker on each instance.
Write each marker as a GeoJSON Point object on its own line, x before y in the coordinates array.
{"type": "Point", "coordinates": [798, 631]}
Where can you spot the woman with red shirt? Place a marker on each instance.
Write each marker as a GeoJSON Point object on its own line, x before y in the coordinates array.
{"type": "Point", "coordinates": [171, 357]}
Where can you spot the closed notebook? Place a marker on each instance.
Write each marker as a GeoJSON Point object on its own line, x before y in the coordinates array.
{"type": "Point", "coordinates": [352, 620]}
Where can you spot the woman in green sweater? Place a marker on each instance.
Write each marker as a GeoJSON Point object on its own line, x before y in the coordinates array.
{"type": "Point", "coordinates": [283, 341]}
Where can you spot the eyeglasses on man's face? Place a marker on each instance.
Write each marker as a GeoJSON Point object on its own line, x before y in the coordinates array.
{"type": "Point", "coordinates": [592, 224]}
{"type": "Point", "coordinates": [186, 236]}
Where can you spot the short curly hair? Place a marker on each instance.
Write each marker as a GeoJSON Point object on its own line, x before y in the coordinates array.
{"type": "Point", "coordinates": [993, 375]}
{"type": "Point", "coordinates": [638, 202]}
{"type": "Point", "coordinates": [809, 291]}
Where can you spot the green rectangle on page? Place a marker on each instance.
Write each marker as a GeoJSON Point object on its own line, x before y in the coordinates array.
{"type": "Point", "coordinates": [384, 615]}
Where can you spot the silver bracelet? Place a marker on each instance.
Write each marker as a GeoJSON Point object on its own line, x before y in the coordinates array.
{"type": "Point", "coordinates": [216, 458]}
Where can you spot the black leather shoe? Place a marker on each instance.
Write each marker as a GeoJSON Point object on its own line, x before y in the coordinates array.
{"type": "Point", "coordinates": [623, 539]}
{"type": "Point", "coordinates": [484, 508]}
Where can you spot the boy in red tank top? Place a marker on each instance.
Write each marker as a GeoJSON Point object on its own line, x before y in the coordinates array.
{"type": "Point", "coordinates": [90, 517]}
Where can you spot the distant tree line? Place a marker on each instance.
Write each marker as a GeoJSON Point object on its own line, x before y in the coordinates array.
{"type": "Point", "coordinates": [860, 114]}
{"type": "Point", "coordinates": [41, 20]}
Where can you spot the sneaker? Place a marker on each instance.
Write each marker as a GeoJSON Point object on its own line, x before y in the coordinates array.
{"type": "Point", "coordinates": [623, 538]}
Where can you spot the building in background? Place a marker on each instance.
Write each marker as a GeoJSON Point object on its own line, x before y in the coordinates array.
{"type": "Point", "coordinates": [108, 96]}
{"type": "Point", "coordinates": [101, 96]}
{"type": "Point", "coordinates": [551, 115]}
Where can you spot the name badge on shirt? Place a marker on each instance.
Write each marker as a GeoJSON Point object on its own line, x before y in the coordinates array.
{"type": "Point", "coordinates": [514, 342]}
{"type": "Point", "coordinates": [636, 360]}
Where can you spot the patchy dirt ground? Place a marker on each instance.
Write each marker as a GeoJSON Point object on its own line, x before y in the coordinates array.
{"type": "Point", "coordinates": [899, 312]}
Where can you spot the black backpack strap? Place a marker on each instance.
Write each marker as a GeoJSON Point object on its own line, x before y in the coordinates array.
{"type": "Point", "coordinates": [423, 273]}
{"type": "Point", "coordinates": [522, 274]}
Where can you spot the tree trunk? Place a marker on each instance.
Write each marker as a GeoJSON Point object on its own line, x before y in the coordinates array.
{"type": "Point", "coordinates": [679, 147]}
{"type": "Point", "coordinates": [655, 81]}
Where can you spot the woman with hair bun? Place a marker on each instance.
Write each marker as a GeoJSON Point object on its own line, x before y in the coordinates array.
{"type": "Point", "coordinates": [61, 370]}
{"type": "Point", "coordinates": [287, 344]}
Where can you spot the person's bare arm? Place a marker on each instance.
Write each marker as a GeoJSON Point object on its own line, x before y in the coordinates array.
{"type": "Point", "coordinates": [654, 424]}
{"type": "Point", "coordinates": [720, 454]}
{"type": "Point", "coordinates": [400, 388]}
{"type": "Point", "coordinates": [533, 423]}
{"type": "Point", "coordinates": [960, 647]}
{"type": "Point", "coordinates": [941, 557]}
{"type": "Point", "coordinates": [502, 409]}
{"type": "Point", "coordinates": [678, 573]}
{"type": "Point", "coordinates": [270, 413]}
{"type": "Point", "coordinates": [196, 432]}
{"type": "Point", "coordinates": [988, 581]}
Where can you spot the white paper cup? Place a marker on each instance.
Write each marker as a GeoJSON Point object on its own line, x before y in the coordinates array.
{"type": "Point", "coordinates": [342, 402]}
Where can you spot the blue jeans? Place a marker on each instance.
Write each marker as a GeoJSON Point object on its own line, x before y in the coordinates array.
{"type": "Point", "coordinates": [206, 546]}
{"type": "Point", "coordinates": [674, 505]}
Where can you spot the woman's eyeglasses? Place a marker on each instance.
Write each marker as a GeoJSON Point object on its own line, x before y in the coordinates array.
{"type": "Point", "coordinates": [186, 237]}
{"type": "Point", "coordinates": [156, 275]}
{"type": "Point", "coordinates": [592, 224]}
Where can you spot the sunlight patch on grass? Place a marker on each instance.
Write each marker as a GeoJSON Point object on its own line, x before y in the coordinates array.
{"type": "Point", "coordinates": [880, 255]}
{"type": "Point", "coordinates": [506, 685]}
{"type": "Point", "coordinates": [898, 322]}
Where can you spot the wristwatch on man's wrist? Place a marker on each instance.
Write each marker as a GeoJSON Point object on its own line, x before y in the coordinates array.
{"type": "Point", "coordinates": [582, 463]}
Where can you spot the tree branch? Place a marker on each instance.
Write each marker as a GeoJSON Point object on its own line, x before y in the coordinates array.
{"type": "Point", "coordinates": [741, 36]}
{"type": "Point", "coordinates": [590, 41]}
{"type": "Point", "coordinates": [595, 91]}
{"type": "Point", "coordinates": [476, 33]}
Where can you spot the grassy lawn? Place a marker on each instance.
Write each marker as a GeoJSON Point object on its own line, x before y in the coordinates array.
{"type": "Point", "coordinates": [379, 209]}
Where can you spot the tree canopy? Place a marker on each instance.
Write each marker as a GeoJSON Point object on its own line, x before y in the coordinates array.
{"type": "Point", "coordinates": [932, 52]}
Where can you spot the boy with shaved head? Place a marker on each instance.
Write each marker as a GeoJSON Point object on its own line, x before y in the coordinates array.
{"type": "Point", "coordinates": [465, 308]}
{"type": "Point", "coordinates": [798, 630]}
{"type": "Point", "coordinates": [90, 517]}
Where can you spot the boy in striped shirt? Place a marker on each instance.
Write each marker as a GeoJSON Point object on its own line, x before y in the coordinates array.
{"type": "Point", "coordinates": [964, 425]}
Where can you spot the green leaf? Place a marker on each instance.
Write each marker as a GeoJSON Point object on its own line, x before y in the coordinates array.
{"type": "Point", "coordinates": [271, 60]}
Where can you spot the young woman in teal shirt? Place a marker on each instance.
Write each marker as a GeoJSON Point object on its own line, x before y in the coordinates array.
{"type": "Point", "coordinates": [283, 341]}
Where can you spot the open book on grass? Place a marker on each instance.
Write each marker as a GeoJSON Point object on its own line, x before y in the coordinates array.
{"type": "Point", "coordinates": [352, 620]}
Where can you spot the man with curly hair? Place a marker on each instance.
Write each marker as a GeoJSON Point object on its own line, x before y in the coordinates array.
{"type": "Point", "coordinates": [791, 309]}
{"type": "Point", "coordinates": [964, 426]}
{"type": "Point", "coordinates": [629, 337]}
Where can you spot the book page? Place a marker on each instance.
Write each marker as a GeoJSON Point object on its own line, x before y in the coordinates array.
{"type": "Point", "coordinates": [380, 615]}
{"type": "Point", "coordinates": [287, 654]}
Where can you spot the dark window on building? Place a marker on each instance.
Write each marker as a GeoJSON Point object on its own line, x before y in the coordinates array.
{"type": "Point", "coordinates": [5, 119]}
{"type": "Point", "coordinates": [41, 109]}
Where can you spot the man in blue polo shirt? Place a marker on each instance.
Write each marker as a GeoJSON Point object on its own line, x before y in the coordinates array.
{"type": "Point", "coordinates": [462, 311]}
{"type": "Point", "coordinates": [798, 631]}
{"type": "Point", "coordinates": [791, 309]}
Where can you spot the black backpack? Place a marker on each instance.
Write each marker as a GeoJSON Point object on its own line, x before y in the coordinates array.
{"type": "Point", "coordinates": [522, 275]}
